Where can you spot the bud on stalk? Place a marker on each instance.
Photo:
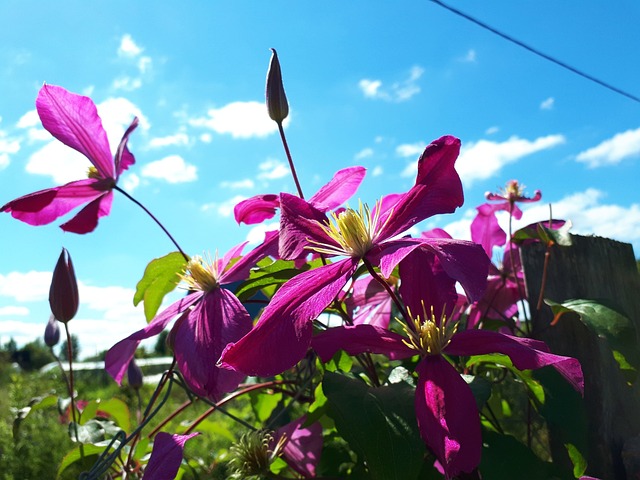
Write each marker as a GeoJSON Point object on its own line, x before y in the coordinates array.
{"type": "Point", "coordinates": [276, 98]}
{"type": "Point", "coordinates": [63, 294]}
{"type": "Point", "coordinates": [134, 375]}
{"type": "Point", "coordinates": [51, 332]}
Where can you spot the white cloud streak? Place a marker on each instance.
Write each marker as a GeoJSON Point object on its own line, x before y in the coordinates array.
{"type": "Point", "coordinates": [171, 169]}
{"type": "Point", "coordinates": [613, 150]}
{"type": "Point", "coordinates": [397, 92]}
{"type": "Point", "coordinates": [240, 120]}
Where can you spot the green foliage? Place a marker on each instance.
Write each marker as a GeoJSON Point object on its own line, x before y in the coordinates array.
{"type": "Point", "coordinates": [75, 349]}
{"type": "Point", "coordinates": [159, 278]}
{"type": "Point", "coordinates": [378, 423]}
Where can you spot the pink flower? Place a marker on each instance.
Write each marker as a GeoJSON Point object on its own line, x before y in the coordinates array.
{"type": "Point", "coordinates": [208, 319]}
{"type": "Point", "coordinates": [73, 119]}
{"type": "Point", "coordinates": [508, 196]}
{"type": "Point", "coordinates": [166, 456]}
{"type": "Point", "coordinates": [283, 333]}
{"type": "Point", "coordinates": [445, 407]}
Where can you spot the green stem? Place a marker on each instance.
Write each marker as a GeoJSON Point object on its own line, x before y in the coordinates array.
{"type": "Point", "coordinates": [71, 389]}
{"type": "Point", "coordinates": [288, 153]}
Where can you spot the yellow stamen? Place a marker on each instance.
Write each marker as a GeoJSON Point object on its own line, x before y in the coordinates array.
{"type": "Point", "coordinates": [354, 231]}
{"type": "Point", "coordinates": [426, 334]}
{"type": "Point", "coordinates": [201, 275]}
{"type": "Point", "coordinates": [92, 172]}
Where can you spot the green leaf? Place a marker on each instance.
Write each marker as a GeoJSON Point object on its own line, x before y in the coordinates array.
{"type": "Point", "coordinates": [36, 403]}
{"type": "Point", "coordinates": [379, 424]}
{"type": "Point", "coordinates": [92, 432]}
{"type": "Point", "coordinates": [160, 277]}
{"type": "Point", "coordinates": [341, 362]}
{"type": "Point", "coordinates": [270, 276]}
{"type": "Point", "coordinates": [505, 458]}
{"type": "Point", "coordinates": [75, 456]}
{"type": "Point", "coordinates": [578, 461]}
{"type": "Point", "coordinates": [605, 321]}
{"type": "Point", "coordinates": [480, 388]}
{"type": "Point", "coordinates": [545, 235]}
{"type": "Point", "coordinates": [113, 407]}
{"type": "Point", "coordinates": [264, 404]}
{"type": "Point", "coordinates": [216, 429]}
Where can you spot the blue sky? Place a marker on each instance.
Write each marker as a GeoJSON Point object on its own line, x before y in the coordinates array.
{"type": "Point", "coordinates": [368, 85]}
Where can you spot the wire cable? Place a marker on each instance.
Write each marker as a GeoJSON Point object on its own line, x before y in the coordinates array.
{"type": "Point", "coordinates": [537, 52]}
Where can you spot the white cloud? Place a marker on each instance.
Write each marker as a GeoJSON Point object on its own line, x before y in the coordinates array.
{"type": "Point", "coordinates": [483, 159]}
{"type": "Point", "coordinates": [237, 185]}
{"type": "Point", "coordinates": [410, 149]}
{"type": "Point", "coordinates": [171, 169]}
{"type": "Point", "coordinates": [126, 83]}
{"type": "Point", "coordinates": [129, 181]}
{"type": "Point", "coordinates": [178, 139]}
{"type": "Point", "coordinates": [128, 48]}
{"type": "Point", "coordinates": [106, 314]}
{"type": "Point", "coordinates": [377, 171]}
{"type": "Point", "coordinates": [397, 92]}
{"type": "Point", "coordinates": [240, 120]}
{"type": "Point", "coordinates": [206, 138]}
{"type": "Point", "coordinates": [144, 64]}
{"type": "Point", "coordinates": [364, 153]}
{"type": "Point", "coordinates": [612, 151]}
{"type": "Point", "coordinates": [492, 130]}
{"type": "Point", "coordinates": [13, 310]}
{"type": "Point", "coordinates": [547, 104]}
{"type": "Point", "coordinates": [224, 209]}
{"type": "Point", "coordinates": [272, 169]}
{"type": "Point", "coordinates": [470, 57]}
{"type": "Point", "coordinates": [256, 234]}
{"type": "Point", "coordinates": [8, 146]}
{"type": "Point", "coordinates": [64, 164]}
{"type": "Point", "coordinates": [29, 119]}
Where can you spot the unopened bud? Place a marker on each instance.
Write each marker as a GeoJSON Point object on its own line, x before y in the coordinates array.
{"type": "Point", "coordinates": [63, 294]}
{"type": "Point", "coordinates": [134, 375]}
{"type": "Point", "coordinates": [276, 98]}
{"type": "Point", "coordinates": [52, 332]}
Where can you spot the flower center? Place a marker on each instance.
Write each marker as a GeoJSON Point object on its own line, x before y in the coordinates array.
{"type": "Point", "coordinates": [353, 231]}
{"type": "Point", "coordinates": [426, 334]}
{"type": "Point", "coordinates": [201, 275]}
{"type": "Point", "coordinates": [92, 172]}
{"type": "Point", "coordinates": [513, 190]}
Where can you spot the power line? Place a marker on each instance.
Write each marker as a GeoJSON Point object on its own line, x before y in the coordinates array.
{"type": "Point", "coordinates": [537, 52]}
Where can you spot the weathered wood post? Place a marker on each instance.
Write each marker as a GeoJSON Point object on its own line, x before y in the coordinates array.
{"type": "Point", "coordinates": [592, 268]}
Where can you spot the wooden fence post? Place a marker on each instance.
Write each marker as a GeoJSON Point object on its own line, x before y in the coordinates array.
{"type": "Point", "coordinates": [593, 268]}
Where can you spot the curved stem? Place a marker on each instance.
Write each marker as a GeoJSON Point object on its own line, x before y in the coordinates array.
{"type": "Point", "coordinates": [291, 166]}
{"type": "Point", "coordinates": [70, 384]}
{"type": "Point", "coordinates": [146, 210]}
{"type": "Point", "coordinates": [513, 268]}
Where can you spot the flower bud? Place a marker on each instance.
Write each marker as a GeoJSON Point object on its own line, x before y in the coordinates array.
{"type": "Point", "coordinates": [134, 375]}
{"type": "Point", "coordinates": [63, 294]}
{"type": "Point", "coordinates": [276, 99]}
{"type": "Point", "coordinates": [52, 332]}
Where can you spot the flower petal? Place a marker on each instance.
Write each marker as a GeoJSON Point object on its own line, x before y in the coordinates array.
{"type": "Point", "coordinates": [462, 260]}
{"type": "Point", "coordinates": [166, 456]}
{"type": "Point", "coordinates": [256, 209]}
{"type": "Point", "coordinates": [357, 339]}
{"type": "Point", "coordinates": [303, 447]}
{"type": "Point", "coordinates": [240, 269]}
{"type": "Point", "coordinates": [218, 319]}
{"type": "Point", "coordinates": [339, 189]}
{"type": "Point", "coordinates": [86, 220]}
{"type": "Point", "coordinates": [299, 223]}
{"type": "Point", "coordinates": [73, 119]}
{"type": "Point", "coordinates": [437, 189]}
{"type": "Point", "coordinates": [448, 416]}
{"type": "Point", "coordinates": [525, 353]}
{"type": "Point", "coordinates": [485, 229]}
{"type": "Point", "coordinates": [282, 336]}
{"type": "Point", "coordinates": [124, 158]}
{"type": "Point", "coordinates": [370, 303]}
{"type": "Point", "coordinates": [44, 206]}
{"type": "Point", "coordinates": [119, 356]}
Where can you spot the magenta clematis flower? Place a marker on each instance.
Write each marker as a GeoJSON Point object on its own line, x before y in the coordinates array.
{"type": "Point", "coordinates": [283, 333]}
{"type": "Point", "coordinates": [73, 119]}
{"type": "Point", "coordinates": [301, 445]}
{"type": "Point", "coordinates": [369, 303]}
{"type": "Point", "coordinates": [208, 319]}
{"type": "Point", "coordinates": [337, 191]}
{"type": "Point", "coordinates": [446, 411]}
{"type": "Point", "coordinates": [508, 196]}
{"type": "Point", "coordinates": [166, 456]}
